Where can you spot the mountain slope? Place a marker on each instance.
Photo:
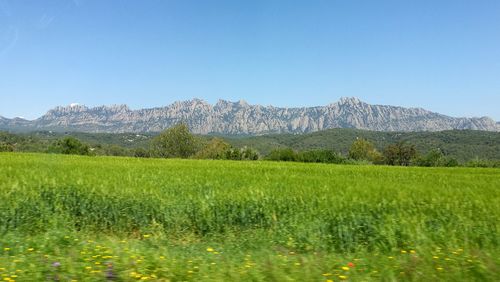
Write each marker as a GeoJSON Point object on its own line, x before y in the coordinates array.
{"type": "Point", "coordinates": [462, 145]}
{"type": "Point", "coordinates": [241, 118]}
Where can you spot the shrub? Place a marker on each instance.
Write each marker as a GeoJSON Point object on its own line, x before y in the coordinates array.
{"type": "Point", "coordinates": [218, 149]}
{"type": "Point", "coordinates": [141, 153]}
{"type": "Point", "coordinates": [321, 156]}
{"type": "Point", "coordinates": [115, 150]}
{"type": "Point", "coordinates": [436, 158]}
{"type": "Point", "coordinates": [482, 163]}
{"type": "Point", "coordinates": [282, 154]}
{"type": "Point", "coordinates": [5, 147]}
{"type": "Point", "coordinates": [69, 146]}
{"type": "Point", "coordinates": [249, 154]}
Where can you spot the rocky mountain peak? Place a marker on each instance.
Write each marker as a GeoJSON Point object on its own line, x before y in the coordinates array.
{"type": "Point", "coordinates": [226, 117]}
{"type": "Point", "coordinates": [119, 108]}
{"type": "Point", "coordinates": [72, 108]}
{"type": "Point", "coordinates": [350, 101]}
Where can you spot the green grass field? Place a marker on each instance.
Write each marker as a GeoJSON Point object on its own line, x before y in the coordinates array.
{"type": "Point", "coordinates": [71, 218]}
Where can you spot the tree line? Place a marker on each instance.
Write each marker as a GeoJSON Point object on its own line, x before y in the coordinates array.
{"type": "Point", "coordinates": [179, 142]}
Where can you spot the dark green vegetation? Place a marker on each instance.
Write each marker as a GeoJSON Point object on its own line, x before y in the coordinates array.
{"type": "Point", "coordinates": [85, 218]}
{"type": "Point", "coordinates": [462, 145]}
{"type": "Point", "coordinates": [447, 148]}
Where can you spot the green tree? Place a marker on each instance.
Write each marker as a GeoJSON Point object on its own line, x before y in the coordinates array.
{"type": "Point", "coordinates": [436, 157]}
{"type": "Point", "coordinates": [363, 149]}
{"type": "Point", "coordinates": [69, 146]}
{"type": "Point", "coordinates": [400, 154]}
{"type": "Point", "coordinates": [215, 149]}
{"type": "Point", "coordinates": [175, 142]}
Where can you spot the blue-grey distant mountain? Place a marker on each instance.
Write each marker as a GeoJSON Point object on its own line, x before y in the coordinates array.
{"type": "Point", "coordinates": [241, 118]}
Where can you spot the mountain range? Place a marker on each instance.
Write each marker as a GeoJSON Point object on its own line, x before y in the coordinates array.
{"type": "Point", "coordinates": [238, 118]}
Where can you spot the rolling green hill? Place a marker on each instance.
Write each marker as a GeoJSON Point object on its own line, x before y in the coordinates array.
{"type": "Point", "coordinates": [462, 145]}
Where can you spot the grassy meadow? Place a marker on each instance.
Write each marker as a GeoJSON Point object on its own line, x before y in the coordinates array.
{"type": "Point", "coordinates": [73, 218]}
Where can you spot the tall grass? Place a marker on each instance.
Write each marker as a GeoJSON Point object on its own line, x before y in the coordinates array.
{"type": "Point", "coordinates": [304, 207]}
{"type": "Point", "coordinates": [339, 208]}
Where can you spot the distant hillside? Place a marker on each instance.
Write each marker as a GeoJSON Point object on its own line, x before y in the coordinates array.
{"type": "Point", "coordinates": [460, 144]}
{"type": "Point", "coordinates": [463, 145]}
{"type": "Point", "coordinates": [240, 118]}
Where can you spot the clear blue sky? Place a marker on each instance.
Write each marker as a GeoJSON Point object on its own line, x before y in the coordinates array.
{"type": "Point", "coordinates": [442, 55]}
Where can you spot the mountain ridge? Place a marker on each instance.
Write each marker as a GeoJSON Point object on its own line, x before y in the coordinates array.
{"type": "Point", "coordinates": [226, 117]}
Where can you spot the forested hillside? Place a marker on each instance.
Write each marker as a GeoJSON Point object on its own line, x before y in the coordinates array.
{"type": "Point", "coordinates": [462, 145]}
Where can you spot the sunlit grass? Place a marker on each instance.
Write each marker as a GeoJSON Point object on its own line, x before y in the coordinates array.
{"type": "Point", "coordinates": [91, 218]}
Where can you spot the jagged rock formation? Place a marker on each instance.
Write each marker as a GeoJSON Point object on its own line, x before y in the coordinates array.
{"type": "Point", "coordinates": [241, 118]}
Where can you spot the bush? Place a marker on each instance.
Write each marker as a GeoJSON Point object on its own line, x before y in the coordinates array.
{"type": "Point", "coordinates": [69, 146]}
{"type": "Point", "coordinates": [436, 158]}
{"type": "Point", "coordinates": [141, 153]}
{"type": "Point", "coordinates": [5, 147]}
{"type": "Point", "coordinates": [217, 149]}
{"type": "Point", "coordinates": [249, 154]}
{"type": "Point", "coordinates": [282, 154]}
{"type": "Point", "coordinates": [115, 150]}
{"type": "Point", "coordinates": [244, 153]}
{"type": "Point", "coordinates": [482, 163]}
{"type": "Point", "coordinates": [321, 156]}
